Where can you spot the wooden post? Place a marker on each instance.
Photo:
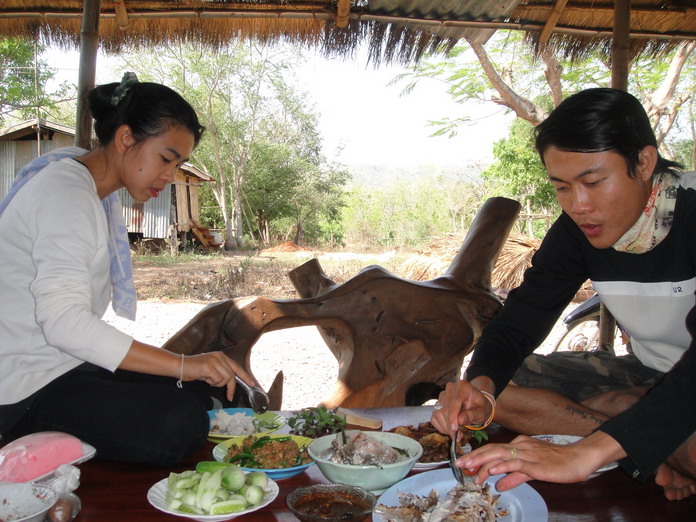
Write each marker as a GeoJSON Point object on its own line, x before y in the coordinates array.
{"type": "Point", "coordinates": [620, 47]}
{"type": "Point", "coordinates": [89, 43]}
{"type": "Point", "coordinates": [620, 65]}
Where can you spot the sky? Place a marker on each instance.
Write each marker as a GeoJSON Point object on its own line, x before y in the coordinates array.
{"type": "Point", "coordinates": [366, 121]}
{"type": "Point", "coordinates": [376, 124]}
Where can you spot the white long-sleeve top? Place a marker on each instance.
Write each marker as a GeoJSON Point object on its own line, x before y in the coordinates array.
{"type": "Point", "coordinates": [55, 283]}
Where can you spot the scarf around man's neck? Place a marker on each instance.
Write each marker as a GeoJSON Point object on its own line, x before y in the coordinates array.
{"type": "Point", "coordinates": [123, 296]}
{"type": "Point", "coordinates": [655, 221]}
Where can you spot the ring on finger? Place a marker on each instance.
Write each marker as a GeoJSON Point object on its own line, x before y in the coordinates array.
{"type": "Point", "coordinates": [438, 406]}
{"type": "Point", "coordinates": [513, 453]}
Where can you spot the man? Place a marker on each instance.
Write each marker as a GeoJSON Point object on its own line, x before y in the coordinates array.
{"type": "Point", "coordinates": [629, 225]}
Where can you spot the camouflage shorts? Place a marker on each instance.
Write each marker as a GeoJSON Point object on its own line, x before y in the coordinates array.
{"type": "Point", "coordinates": [581, 375]}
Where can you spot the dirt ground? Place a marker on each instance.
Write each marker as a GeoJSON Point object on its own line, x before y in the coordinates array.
{"type": "Point", "coordinates": [309, 368]}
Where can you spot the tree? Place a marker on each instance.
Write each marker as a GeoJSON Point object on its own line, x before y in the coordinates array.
{"type": "Point", "coordinates": [512, 78]}
{"type": "Point", "coordinates": [257, 124]}
{"type": "Point", "coordinates": [407, 212]}
{"type": "Point", "coordinates": [518, 169]}
{"type": "Point", "coordinates": [23, 79]}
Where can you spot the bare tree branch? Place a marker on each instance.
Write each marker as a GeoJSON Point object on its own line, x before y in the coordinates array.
{"type": "Point", "coordinates": [521, 106]}
{"type": "Point", "coordinates": [664, 93]}
{"type": "Point", "coordinates": [553, 72]}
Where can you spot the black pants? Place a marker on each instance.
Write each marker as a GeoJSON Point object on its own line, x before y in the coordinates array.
{"type": "Point", "coordinates": [126, 416]}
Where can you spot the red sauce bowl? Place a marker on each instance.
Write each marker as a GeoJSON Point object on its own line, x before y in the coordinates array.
{"type": "Point", "coordinates": [330, 503]}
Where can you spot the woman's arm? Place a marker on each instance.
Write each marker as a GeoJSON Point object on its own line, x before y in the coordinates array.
{"type": "Point", "coordinates": [215, 368]}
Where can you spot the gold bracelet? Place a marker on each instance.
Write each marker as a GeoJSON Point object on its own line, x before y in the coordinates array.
{"type": "Point", "coordinates": [491, 399]}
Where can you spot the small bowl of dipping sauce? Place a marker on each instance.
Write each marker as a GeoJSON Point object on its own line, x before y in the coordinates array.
{"type": "Point", "coordinates": [331, 503]}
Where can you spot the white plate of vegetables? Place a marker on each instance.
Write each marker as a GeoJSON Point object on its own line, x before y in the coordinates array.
{"type": "Point", "coordinates": [213, 492]}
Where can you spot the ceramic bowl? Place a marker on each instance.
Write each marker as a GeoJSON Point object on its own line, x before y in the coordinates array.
{"type": "Point", "coordinates": [25, 501]}
{"type": "Point", "coordinates": [372, 478]}
{"type": "Point", "coordinates": [330, 503]}
{"type": "Point", "coordinates": [220, 454]}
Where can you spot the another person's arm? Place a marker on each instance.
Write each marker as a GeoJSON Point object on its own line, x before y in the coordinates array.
{"type": "Point", "coordinates": [526, 458]}
{"type": "Point", "coordinates": [527, 317]}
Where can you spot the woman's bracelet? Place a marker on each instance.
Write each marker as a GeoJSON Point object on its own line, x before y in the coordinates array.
{"type": "Point", "coordinates": [491, 399]}
{"type": "Point", "coordinates": [180, 382]}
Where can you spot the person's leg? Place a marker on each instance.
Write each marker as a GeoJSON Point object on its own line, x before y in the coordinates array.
{"type": "Point", "coordinates": [565, 403]}
{"type": "Point", "coordinates": [571, 392]}
{"type": "Point", "coordinates": [532, 411]}
{"type": "Point", "coordinates": [614, 402]}
{"type": "Point", "coordinates": [126, 417]}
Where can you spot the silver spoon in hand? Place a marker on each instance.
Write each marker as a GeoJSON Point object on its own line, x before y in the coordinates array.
{"type": "Point", "coordinates": [258, 399]}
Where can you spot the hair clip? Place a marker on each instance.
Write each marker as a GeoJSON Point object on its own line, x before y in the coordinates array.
{"type": "Point", "coordinates": [121, 90]}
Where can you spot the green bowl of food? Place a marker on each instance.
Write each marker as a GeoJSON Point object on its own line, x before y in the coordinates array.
{"type": "Point", "coordinates": [372, 460]}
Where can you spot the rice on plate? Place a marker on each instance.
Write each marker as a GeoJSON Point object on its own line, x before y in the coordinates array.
{"type": "Point", "coordinates": [233, 422]}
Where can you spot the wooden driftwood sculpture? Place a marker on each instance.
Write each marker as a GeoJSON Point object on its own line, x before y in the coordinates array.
{"type": "Point", "coordinates": [397, 342]}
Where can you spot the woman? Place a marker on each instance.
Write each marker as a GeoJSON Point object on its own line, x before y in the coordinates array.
{"type": "Point", "coordinates": [61, 367]}
{"type": "Point", "coordinates": [628, 224]}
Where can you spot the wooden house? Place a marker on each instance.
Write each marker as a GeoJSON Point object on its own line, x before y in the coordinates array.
{"type": "Point", "coordinates": [176, 211]}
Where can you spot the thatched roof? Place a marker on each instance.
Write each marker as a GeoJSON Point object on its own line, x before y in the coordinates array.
{"type": "Point", "coordinates": [395, 30]}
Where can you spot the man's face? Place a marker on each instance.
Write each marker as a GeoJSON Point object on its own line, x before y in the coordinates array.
{"type": "Point", "coordinates": [595, 190]}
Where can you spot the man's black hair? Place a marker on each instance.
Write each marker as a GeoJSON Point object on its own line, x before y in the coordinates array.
{"type": "Point", "coordinates": [595, 120]}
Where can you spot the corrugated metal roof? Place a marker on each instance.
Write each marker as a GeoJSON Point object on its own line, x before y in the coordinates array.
{"type": "Point", "coordinates": [470, 10]}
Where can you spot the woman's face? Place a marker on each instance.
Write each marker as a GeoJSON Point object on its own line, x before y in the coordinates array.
{"type": "Point", "coordinates": [595, 190]}
{"type": "Point", "coordinates": [150, 165]}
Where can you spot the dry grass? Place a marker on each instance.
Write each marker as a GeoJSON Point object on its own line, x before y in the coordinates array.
{"type": "Point", "coordinates": [209, 278]}
{"type": "Point", "coordinates": [514, 259]}
{"type": "Point", "coordinates": [213, 277]}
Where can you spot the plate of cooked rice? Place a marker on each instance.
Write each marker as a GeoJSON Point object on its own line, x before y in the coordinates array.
{"type": "Point", "coordinates": [233, 422]}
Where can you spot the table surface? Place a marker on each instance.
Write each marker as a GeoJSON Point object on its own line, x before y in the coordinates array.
{"type": "Point", "coordinates": [118, 491]}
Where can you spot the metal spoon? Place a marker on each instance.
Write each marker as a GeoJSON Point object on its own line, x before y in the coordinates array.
{"type": "Point", "coordinates": [257, 397]}
{"type": "Point", "coordinates": [457, 472]}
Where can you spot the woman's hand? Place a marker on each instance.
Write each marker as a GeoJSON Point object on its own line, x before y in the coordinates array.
{"type": "Point", "coordinates": [216, 369]}
{"type": "Point", "coordinates": [460, 404]}
{"type": "Point", "coordinates": [526, 458]}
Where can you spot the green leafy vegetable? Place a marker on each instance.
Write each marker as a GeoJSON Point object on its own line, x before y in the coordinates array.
{"type": "Point", "coordinates": [315, 422]}
{"type": "Point", "coordinates": [479, 436]}
{"type": "Point", "coordinates": [266, 421]}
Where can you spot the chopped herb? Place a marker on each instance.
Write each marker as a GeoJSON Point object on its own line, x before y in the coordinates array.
{"type": "Point", "coordinates": [315, 422]}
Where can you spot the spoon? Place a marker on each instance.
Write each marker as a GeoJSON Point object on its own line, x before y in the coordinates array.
{"type": "Point", "coordinates": [459, 475]}
{"type": "Point", "coordinates": [257, 397]}
{"type": "Point", "coordinates": [457, 472]}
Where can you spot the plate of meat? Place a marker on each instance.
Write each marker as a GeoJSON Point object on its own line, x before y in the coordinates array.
{"type": "Point", "coordinates": [437, 495]}
{"type": "Point", "coordinates": [435, 444]}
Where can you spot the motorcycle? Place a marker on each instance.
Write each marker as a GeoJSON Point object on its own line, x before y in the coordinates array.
{"type": "Point", "coordinates": [582, 330]}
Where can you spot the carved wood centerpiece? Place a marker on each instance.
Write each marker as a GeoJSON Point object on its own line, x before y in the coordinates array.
{"type": "Point", "coordinates": [397, 342]}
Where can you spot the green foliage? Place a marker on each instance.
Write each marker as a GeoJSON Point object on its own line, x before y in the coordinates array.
{"type": "Point", "coordinates": [684, 153]}
{"type": "Point", "coordinates": [407, 212]}
{"type": "Point", "coordinates": [262, 143]}
{"type": "Point", "coordinates": [23, 80]}
{"type": "Point", "coordinates": [518, 171]}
